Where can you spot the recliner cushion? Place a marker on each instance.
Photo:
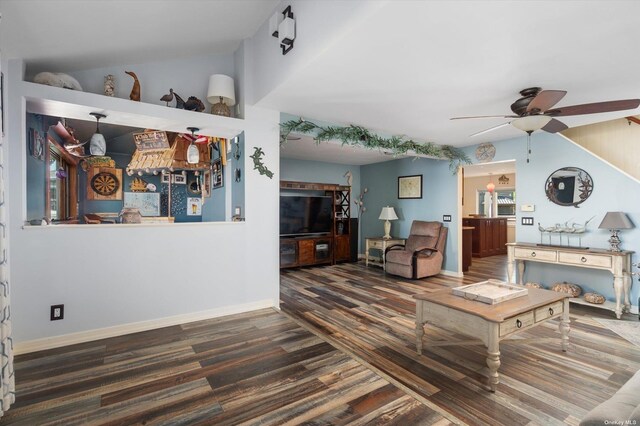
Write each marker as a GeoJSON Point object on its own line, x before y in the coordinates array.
{"type": "Point", "coordinates": [402, 257]}
{"type": "Point", "coordinates": [622, 406]}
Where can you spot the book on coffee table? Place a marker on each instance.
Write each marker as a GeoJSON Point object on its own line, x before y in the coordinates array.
{"type": "Point", "coordinates": [490, 291]}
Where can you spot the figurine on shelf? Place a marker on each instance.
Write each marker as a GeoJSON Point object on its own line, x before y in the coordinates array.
{"type": "Point", "coordinates": [168, 98]}
{"type": "Point", "coordinates": [179, 101]}
{"type": "Point", "coordinates": [135, 90]}
{"type": "Point", "coordinates": [194, 104]}
{"type": "Point", "coordinates": [109, 85]}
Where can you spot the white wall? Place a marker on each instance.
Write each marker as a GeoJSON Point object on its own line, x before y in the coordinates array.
{"type": "Point", "coordinates": [319, 24]}
{"type": "Point", "coordinates": [111, 276]}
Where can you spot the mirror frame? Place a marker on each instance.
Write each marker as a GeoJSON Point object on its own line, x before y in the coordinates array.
{"type": "Point", "coordinates": [583, 179]}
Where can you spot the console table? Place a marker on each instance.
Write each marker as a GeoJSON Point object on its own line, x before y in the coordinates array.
{"type": "Point", "coordinates": [380, 244]}
{"type": "Point", "coordinates": [618, 263]}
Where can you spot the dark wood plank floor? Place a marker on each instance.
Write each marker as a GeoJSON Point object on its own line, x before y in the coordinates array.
{"type": "Point", "coordinates": [254, 368]}
{"type": "Point", "coordinates": [371, 315]}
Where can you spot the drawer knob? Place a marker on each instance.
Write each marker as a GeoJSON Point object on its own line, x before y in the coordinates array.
{"type": "Point", "coordinates": [533, 254]}
{"type": "Point", "coordinates": [583, 259]}
{"type": "Point", "coordinates": [550, 311]}
{"type": "Point", "coordinates": [518, 323]}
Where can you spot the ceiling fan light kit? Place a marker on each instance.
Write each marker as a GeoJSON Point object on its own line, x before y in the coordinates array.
{"type": "Point", "coordinates": [531, 123]}
{"type": "Point", "coordinates": [193, 155]}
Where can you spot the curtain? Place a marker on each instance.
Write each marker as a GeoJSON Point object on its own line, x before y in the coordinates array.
{"type": "Point", "coordinates": [7, 382]}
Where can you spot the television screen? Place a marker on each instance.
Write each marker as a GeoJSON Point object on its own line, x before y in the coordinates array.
{"type": "Point", "coordinates": [305, 215]}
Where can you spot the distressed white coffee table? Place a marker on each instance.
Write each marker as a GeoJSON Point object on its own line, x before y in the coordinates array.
{"type": "Point", "coordinates": [491, 323]}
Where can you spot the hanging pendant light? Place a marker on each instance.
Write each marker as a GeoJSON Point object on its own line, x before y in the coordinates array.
{"type": "Point", "coordinates": [490, 186]}
{"type": "Point", "coordinates": [193, 154]}
{"type": "Point", "coordinates": [98, 145]}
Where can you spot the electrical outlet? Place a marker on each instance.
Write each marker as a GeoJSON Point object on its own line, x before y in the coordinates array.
{"type": "Point", "coordinates": [57, 312]}
{"type": "Point", "coordinates": [446, 218]}
{"type": "Point", "coordinates": [528, 221]}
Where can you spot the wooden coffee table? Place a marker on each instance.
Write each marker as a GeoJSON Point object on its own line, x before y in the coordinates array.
{"type": "Point", "coordinates": [491, 323]}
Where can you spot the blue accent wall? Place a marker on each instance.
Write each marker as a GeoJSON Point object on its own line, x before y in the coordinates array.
{"type": "Point", "coordinates": [36, 171]}
{"type": "Point", "coordinates": [237, 188]}
{"type": "Point", "coordinates": [439, 188]}
{"type": "Point", "coordinates": [612, 191]}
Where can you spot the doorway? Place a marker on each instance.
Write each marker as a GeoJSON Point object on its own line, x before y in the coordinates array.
{"type": "Point", "coordinates": [487, 207]}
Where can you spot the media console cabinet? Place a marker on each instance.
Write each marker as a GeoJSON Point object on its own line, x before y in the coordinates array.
{"type": "Point", "coordinates": [321, 249]}
{"type": "Point", "coordinates": [618, 263]}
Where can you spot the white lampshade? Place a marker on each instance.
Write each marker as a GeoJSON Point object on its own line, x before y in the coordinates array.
{"type": "Point", "coordinates": [388, 213]}
{"type": "Point", "coordinates": [531, 123]}
{"type": "Point", "coordinates": [193, 155]}
{"type": "Point", "coordinates": [221, 86]}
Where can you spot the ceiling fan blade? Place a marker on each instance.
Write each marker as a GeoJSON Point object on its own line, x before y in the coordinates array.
{"type": "Point", "coordinates": [555, 126]}
{"type": "Point", "coordinates": [545, 100]}
{"type": "Point", "coordinates": [594, 108]}
{"type": "Point", "coordinates": [490, 129]}
{"type": "Point", "coordinates": [484, 116]}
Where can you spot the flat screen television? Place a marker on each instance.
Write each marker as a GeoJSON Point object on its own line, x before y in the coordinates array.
{"type": "Point", "coordinates": [305, 215]}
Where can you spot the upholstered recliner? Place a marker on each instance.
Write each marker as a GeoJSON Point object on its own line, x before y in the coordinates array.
{"type": "Point", "coordinates": [423, 253]}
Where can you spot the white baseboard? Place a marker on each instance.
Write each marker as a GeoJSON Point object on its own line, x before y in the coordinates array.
{"type": "Point", "coordinates": [135, 327]}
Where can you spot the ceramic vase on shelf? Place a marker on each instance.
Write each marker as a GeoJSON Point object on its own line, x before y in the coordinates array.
{"type": "Point", "coordinates": [130, 215]}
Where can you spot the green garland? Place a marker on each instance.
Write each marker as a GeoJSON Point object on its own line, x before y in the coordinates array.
{"type": "Point", "coordinates": [359, 136]}
{"type": "Point", "coordinates": [257, 163]}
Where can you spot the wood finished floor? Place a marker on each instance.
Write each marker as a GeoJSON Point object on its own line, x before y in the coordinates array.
{"type": "Point", "coordinates": [264, 368]}
{"type": "Point", "coordinates": [254, 368]}
{"type": "Point", "coordinates": [371, 315]}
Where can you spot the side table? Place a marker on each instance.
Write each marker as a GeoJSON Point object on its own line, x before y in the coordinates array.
{"type": "Point", "coordinates": [380, 244]}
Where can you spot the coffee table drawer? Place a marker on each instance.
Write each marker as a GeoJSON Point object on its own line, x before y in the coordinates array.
{"type": "Point", "coordinates": [548, 311]}
{"type": "Point", "coordinates": [549, 255]}
{"type": "Point", "coordinates": [585, 259]}
{"type": "Point", "coordinates": [516, 323]}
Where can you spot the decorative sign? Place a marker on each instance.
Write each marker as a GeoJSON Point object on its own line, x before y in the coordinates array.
{"type": "Point", "coordinates": [503, 180]}
{"type": "Point", "coordinates": [147, 202]}
{"type": "Point", "coordinates": [151, 140]}
{"type": "Point", "coordinates": [194, 206]}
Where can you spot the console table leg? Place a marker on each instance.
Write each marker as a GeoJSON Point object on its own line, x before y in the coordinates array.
{"type": "Point", "coordinates": [510, 269]}
{"type": "Point", "coordinates": [565, 326]}
{"type": "Point", "coordinates": [618, 287]}
{"type": "Point", "coordinates": [521, 272]}
{"type": "Point", "coordinates": [627, 293]}
{"type": "Point", "coordinates": [493, 357]}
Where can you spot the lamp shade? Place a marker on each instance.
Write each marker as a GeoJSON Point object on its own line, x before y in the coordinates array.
{"type": "Point", "coordinates": [221, 86]}
{"type": "Point", "coordinates": [531, 123]}
{"type": "Point", "coordinates": [97, 145]}
{"type": "Point", "coordinates": [616, 220]}
{"type": "Point", "coordinates": [388, 213]}
{"type": "Point", "coordinates": [491, 187]}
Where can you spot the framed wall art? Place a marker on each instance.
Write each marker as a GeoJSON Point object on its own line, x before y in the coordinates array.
{"type": "Point", "coordinates": [410, 187]}
{"type": "Point", "coordinates": [206, 184]}
{"type": "Point", "coordinates": [217, 174]}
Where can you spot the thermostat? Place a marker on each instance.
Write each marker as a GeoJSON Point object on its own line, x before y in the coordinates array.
{"type": "Point", "coordinates": [528, 207]}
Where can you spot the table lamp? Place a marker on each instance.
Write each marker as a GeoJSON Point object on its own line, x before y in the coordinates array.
{"type": "Point", "coordinates": [615, 221]}
{"type": "Point", "coordinates": [387, 214]}
{"type": "Point", "coordinates": [221, 94]}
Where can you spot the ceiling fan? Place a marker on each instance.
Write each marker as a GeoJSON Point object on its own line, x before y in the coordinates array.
{"type": "Point", "coordinates": [533, 111]}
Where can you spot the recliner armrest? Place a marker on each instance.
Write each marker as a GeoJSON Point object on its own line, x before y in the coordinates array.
{"type": "Point", "coordinates": [394, 247]}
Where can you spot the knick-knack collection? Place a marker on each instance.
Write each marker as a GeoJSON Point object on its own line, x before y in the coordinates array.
{"type": "Point", "coordinates": [109, 85]}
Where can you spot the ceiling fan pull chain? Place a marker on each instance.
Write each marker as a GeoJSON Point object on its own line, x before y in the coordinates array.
{"type": "Point", "coordinates": [528, 145]}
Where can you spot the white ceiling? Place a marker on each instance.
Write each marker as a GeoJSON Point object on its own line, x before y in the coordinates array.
{"type": "Point", "coordinates": [414, 64]}
{"type": "Point", "coordinates": [404, 70]}
{"type": "Point", "coordinates": [72, 35]}
{"type": "Point", "coordinates": [304, 147]}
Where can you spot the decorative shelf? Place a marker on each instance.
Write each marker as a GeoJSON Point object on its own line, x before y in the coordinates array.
{"type": "Point", "coordinates": [58, 102]}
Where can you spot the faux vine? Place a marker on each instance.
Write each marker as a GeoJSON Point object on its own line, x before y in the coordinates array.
{"type": "Point", "coordinates": [360, 136]}
{"type": "Point", "coordinates": [257, 163]}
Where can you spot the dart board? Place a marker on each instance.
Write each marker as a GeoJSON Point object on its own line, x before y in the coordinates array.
{"type": "Point", "coordinates": [105, 183]}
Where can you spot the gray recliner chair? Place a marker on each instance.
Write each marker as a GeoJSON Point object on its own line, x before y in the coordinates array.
{"type": "Point", "coordinates": [423, 253]}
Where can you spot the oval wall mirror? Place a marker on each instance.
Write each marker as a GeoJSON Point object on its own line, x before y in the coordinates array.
{"type": "Point", "coordinates": [568, 186]}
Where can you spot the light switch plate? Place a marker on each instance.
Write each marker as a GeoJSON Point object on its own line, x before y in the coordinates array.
{"type": "Point", "coordinates": [527, 221]}
{"type": "Point", "coordinates": [528, 207]}
{"type": "Point", "coordinates": [446, 218]}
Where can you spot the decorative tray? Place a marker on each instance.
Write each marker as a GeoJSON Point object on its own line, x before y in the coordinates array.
{"type": "Point", "coordinates": [490, 291]}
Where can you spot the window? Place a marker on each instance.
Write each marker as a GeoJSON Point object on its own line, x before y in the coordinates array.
{"type": "Point", "coordinates": [504, 203]}
{"type": "Point", "coordinates": [60, 186]}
